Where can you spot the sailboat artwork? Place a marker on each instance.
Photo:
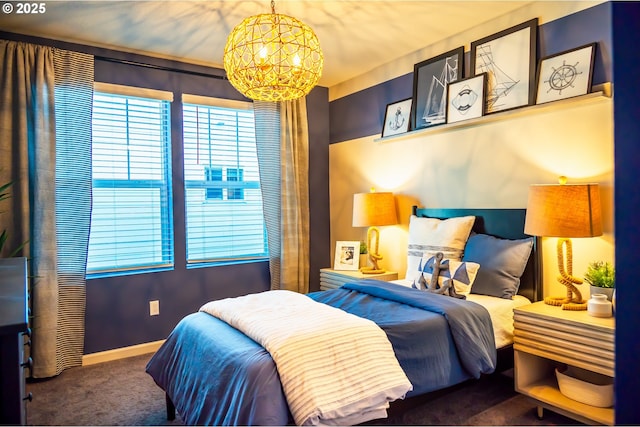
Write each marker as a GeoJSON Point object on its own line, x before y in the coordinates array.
{"type": "Point", "coordinates": [435, 106]}
{"type": "Point", "coordinates": [499, 84]}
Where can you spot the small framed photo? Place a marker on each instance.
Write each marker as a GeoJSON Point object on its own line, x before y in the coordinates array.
{"type": "Point", "coordinates": [565, 74]}
{"type": "Point", "coordinates": [465, 98]}
{"type": "Point", "coordinates": [347, 255]}
{"type": "Point", "coordinates": [509, 59]}
{"type": "Point", "coordinates": [430, 80]}
{"type": "Point", "coordinates": [397, 118]}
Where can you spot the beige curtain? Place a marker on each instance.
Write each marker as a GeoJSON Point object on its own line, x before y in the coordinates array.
{"type": "Point", "coordinates": [282, 137]}
{"type": "Point", "coordinates": [32, 78]}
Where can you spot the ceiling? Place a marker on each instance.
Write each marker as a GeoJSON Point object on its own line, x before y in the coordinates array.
{"type": "Point", "coordinates": [356, 36]}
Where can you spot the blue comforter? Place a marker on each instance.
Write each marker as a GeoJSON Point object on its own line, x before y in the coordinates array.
{"type": "Point", "coordinates": [215, 375]}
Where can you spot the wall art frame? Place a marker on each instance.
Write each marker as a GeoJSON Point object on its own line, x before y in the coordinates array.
{"type": "Point", "coordinates": [565, 74]}
{"type": "Point", "coordinates": [430, 80]}
{"type": "Point", "coordinates": [347, 255]}
{"type": "Point", "coordinates": [466, 98]}
{"type": "Point", "coordinates": [397, 118]}
{"type": "Point", "coordinates": [509, 59]}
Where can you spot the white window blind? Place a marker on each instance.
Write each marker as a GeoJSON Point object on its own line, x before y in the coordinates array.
{"type": "Point", "coordinates": [224, 216]}
{"type": "Point", "coordinates": [131, 221]}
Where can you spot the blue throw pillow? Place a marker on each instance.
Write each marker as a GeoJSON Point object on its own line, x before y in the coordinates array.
{"type": "Point", "coordinates": [503, 261]}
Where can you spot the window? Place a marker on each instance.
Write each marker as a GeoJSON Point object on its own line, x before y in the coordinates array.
{"type": "Point", "coordinates": [223, 202]}
{"type": "Point", "coordinates": [131, 221]}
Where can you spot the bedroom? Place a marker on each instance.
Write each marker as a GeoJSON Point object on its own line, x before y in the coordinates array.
{"type": "Point", "coordinates": [105, 324]}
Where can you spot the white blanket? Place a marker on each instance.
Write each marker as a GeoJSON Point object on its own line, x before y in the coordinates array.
{"type": "Point", "coordinates": [336, 368]}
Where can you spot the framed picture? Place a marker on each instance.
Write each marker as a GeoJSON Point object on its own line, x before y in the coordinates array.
{"type": "Point", "coordinates": [565, 74]}
{"type": "Point", "coordinates": [397, 118]}
{"type": "Point", "coordinates": [509, 59]}
{"type": "Point", "coordinates": [465, 98]}
{"type": "Point", "coordinates": [347, 255]}
{"type": "Point", "coordinates": [430, 80]}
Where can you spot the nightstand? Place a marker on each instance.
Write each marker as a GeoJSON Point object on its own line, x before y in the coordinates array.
{"type": "Point", "coordinates": [546, 337]}
{"type": "Point", "coordinates": [332, 279]}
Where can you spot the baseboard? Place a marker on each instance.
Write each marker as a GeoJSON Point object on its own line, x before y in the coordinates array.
{"type": "Point", "coordinates": [121, 353]}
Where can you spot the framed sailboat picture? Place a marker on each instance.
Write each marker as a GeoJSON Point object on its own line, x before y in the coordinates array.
{"type": "Point", "coordinates": [509, 59]}
{"type": "Point", "coordinates": [430, 80]}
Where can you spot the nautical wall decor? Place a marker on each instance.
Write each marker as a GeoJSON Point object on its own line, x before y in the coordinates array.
{"type": "Point", "coordinates": [396, 118]}
{"type": "Point", "coordinates": [509, 59]}
{"type": "Point", "coordinates": [565, 74]}
{"type": "Point", "coordinates": [465, 98]}
{"type": "Point", "coordinates": [430, 80]}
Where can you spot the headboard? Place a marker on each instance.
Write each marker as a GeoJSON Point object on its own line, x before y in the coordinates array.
{"type": "Point", "coordinates": [506, 224]}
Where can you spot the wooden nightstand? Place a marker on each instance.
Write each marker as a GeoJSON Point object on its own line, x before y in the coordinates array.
{"type": "Point", "coordinates": [546, 337]}
{"type": "Point", "coordinates": [332, 279]}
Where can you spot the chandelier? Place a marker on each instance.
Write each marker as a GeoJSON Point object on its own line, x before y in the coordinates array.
{"type": "Point", "coordinates": [273, 57]}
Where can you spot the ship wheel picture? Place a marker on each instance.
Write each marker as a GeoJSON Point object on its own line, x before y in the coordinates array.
{"type": "Point", "coordinates": [563, 77]}
{"type": "Point", "coordinates": [566, 74]}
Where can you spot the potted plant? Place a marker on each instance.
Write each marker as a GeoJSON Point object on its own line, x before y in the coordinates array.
{"type": "Point", "coordinates": [363, 254]}
{"type": "Point", "coordinates": [601, 276]}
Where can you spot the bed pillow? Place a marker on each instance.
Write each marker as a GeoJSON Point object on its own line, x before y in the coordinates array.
{"type": "Point", "coordinates": [428, 236]}
{"type": "Point", "coordinates": [503, 262]}
{"type": "Point", "coordinates": [462, 274]}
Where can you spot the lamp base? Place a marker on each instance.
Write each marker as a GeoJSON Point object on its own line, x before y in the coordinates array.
{"type": "Point", "coordinates": [372, 270]}
{"type": "Point", "coordinates": [573, 300]}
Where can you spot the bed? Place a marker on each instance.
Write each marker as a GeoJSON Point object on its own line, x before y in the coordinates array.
{"type": "Point", "coordinates": [213, 374]}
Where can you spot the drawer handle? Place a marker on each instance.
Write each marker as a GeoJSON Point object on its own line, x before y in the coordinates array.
{"type": "Point", "coordinates": [29, 397]}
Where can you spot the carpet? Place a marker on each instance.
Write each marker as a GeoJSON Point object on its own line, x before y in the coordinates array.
{"type": "Point", "coordinates": [121, 393]}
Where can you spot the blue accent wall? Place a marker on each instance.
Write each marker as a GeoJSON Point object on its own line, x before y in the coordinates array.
{"type": "Point", "coordinates": [626, 33]}
{"type": "Point", "coordinates": [362, 113]}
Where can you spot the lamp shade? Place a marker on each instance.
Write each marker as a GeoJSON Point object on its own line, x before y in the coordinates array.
{"type": "Point", "coordinates": [564, 210]}
{"type": "Point", "coordinates": [374, 209]}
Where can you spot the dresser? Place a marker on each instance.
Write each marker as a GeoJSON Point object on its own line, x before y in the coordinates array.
{"type": "Point", "coordinates": [13, 338]}
{"type": "Point", "coordinates": [332, 279]}
{"type": "Point", "coordinates": [547, 337]}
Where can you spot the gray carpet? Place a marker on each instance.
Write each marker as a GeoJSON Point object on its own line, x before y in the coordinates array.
{"type": "Point", "coordinates": [121, 393]}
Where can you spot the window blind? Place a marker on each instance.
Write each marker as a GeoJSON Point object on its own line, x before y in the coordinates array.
{"type": "Point", "coordinates": [131, 221]}
{"type": "Point", "coordinates": [223, 201]}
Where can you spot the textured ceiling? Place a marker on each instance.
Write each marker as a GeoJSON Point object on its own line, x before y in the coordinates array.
{"type": "Point", "coordinates": [356, 36]}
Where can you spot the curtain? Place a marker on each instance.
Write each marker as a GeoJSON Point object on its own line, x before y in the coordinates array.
{"type": "Point", "coordinates": [282, 138]}
{"type": "Point", "coordinates": [45, 147]}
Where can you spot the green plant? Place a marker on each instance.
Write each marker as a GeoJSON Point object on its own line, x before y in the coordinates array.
{"type": "Point", "coordinates": [363, 248]}
{"type": "Point", "coordinates": [600, 274]}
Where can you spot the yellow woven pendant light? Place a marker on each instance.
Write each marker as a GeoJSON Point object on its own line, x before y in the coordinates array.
{"type": "Point", "coordinates": [273, 57]}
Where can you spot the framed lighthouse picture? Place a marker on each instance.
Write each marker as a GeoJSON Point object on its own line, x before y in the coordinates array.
{"type": "Point", "coordinates": [509, 59]}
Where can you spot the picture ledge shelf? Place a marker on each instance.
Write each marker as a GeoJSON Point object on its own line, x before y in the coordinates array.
{"type": "Point", "coordinates": [601, 92]}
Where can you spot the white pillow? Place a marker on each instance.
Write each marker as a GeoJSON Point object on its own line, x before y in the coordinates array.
{"type": "Point", "coordinates": [428, 236]}
{"type": "Point", "coordinates": [461, 273]}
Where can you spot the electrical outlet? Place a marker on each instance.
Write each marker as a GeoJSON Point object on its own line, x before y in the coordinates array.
{"type": "Point", "coordinates": [154, 308]}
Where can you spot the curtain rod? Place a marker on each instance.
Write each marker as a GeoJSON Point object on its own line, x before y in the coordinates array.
{"type": "Point", "coordinates": [157, 67]}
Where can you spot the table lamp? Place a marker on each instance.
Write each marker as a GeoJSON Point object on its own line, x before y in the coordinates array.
{"type": "Point", "coordinates": [373, 210]}
{"type": "Point", "coordinates": [564, 211]}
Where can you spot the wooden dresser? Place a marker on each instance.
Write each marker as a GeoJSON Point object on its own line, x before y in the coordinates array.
{"type": "Point", "coordinates": [547, 337]}
{"type": "Point", "coordinates": [13, 328]}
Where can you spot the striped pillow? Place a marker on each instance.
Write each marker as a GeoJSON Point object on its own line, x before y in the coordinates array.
{"type": "Point", "coordinates": [428, 236]}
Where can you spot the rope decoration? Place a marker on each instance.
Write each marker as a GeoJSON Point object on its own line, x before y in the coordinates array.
{"type": "Point", "coordinates": [573, 300]}
{"type": "Point", "coordinates": [374, 256]}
